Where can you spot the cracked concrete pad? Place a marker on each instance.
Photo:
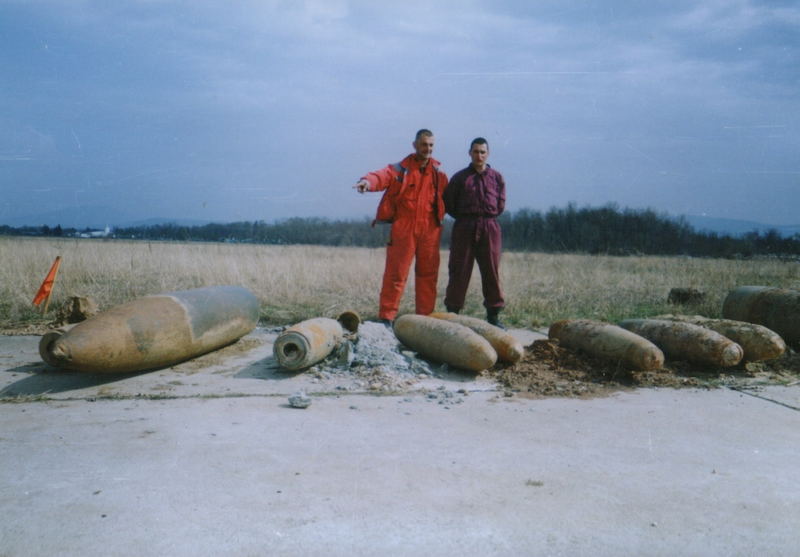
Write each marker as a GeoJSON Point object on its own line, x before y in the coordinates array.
{"type": "Point", "coordinates": [652, 472]}
{"type": "Point", "coordinates": [212, 460]}
{"type": "Point", "coordinates": [787, 396]}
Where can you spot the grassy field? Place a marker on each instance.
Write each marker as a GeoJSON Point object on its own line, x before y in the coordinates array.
{"type": "Point", "coordinates": [298, 282]}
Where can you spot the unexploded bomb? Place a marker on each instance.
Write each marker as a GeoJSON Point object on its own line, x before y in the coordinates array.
{"type": "Point", "coordinates": [686, 341]}
{"type": "Point", "coordinates": [608, 342]}
{"type": "Point", "coordinates": [154, 331]}
{"type": "Point", "coordinates": [306, 343]}
{"type": "Point", "coordinates": [446, 342]}
{"type": "Point", "coordinates": [507, 347]}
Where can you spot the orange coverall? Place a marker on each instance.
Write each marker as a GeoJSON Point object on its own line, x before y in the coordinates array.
{"type": "Point", "coordinates": [414, 206]}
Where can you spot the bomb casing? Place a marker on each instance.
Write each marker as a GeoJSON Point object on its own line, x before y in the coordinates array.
{"type": "Point", "coordinates": [154, 331]}
{"type": "Point", "coordinates": [445, 341]}
{"type": "Point", "coordinates": [306, 343]}
{"type": "Point", "coordinates": [687, 341]}
{"type": "Point", "coordinates": [608, 342]}
{"type": "Point", "coordinates": [758, 342]}
{"type": "Point", "coordinates": [508, 348]}
{"type": "Point", "coordinates": [778, 309]}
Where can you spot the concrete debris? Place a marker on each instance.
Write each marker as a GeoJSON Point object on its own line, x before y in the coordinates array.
{"type": "Point", "coordinates": [444, 397]}
{"type": "Point", "coordinates": [300, 400]}
{"type": "Point", "coordinates": [374, 361]}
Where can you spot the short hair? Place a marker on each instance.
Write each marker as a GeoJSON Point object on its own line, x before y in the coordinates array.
{"type": "Point", "coordinates": [478, 141]}
{"type": "Point", "coordinates": [423, 132]}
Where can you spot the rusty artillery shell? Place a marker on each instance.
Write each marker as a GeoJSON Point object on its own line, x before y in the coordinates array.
{"type": "Point", "coordinates": [154, 331]}
{"type": "Point", "coordinates": [306, 343]}
{"type": "Point", "coordinates": [608, 342]}
{"type": "Point", "coordinates": [686, 341]}
{"type": "Point", "coordinates": [757, 341]}
{"type": "Point", "coordinates": [777, 309]}
{"type": "Point", "coordinates": [445, 341]}
{"type": "Point", "coordinates": [507, 347]}
{"type": "Point", "coordinates": [350, 320]}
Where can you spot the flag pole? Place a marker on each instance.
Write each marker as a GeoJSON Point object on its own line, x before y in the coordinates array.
{"type": "Point", "coordinates": [47, 300]}
{"type": "Point", "coordinates": [46, 289]}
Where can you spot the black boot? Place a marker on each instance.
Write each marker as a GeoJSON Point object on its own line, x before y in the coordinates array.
{"type": "Point", "coordinates": [493, 319]}
{"type": "Point", "coordinates": [452, 310]}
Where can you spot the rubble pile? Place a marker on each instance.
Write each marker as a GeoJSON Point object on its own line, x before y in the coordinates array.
{"type": "Point", "coordinates": [375, 360]}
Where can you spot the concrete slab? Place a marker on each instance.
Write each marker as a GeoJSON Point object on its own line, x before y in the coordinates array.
{"type": "Point", "coordinates": [654, 472]}
{"type": "Point", "coordinates": [788, 396]}
{"type": "Point", "coordinates": [213, 461]}
{"type": "Point", "coordinates": [246, 368]}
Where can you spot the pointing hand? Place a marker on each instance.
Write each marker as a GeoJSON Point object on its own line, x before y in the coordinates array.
{"type": "Point", "coordinates": [361, 186]}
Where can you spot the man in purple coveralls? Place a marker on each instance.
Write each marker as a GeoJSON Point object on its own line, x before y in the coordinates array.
{"type": "Point", "coordinates": [475, 197]}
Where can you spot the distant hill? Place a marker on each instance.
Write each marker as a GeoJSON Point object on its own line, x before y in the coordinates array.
{"type": "Point", "coordinates": [98, 217]}
{"type": "Point", "coordinates": [737, 228]}
{"type": "Point", "coordinates": [159, 221]}
{"type": "Point", "coordinates": [95, 217]}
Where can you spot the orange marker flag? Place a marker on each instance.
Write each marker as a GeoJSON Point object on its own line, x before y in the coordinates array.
{"type": "Point", "coordinates": [47, 286]}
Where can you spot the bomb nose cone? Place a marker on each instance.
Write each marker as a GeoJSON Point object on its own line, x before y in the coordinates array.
{"type": "Point", "coordinates": [731, 355]}
{"type": "Point", "coordinates": [54, 352]}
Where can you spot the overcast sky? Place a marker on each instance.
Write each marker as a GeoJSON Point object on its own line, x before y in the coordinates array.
{"type": "Point", "coordinates": [246, 110]}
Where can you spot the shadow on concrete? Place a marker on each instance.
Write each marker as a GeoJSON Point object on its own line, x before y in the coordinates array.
{"type": "Point", "coordinates": [455, 375]}
{"type": "Point", "coordinates": [43, 379]}
{"type": "Point", "coordinates": [268, 369]}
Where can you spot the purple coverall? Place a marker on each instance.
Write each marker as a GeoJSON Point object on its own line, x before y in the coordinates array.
{"type": "Point", "coordinates": [475, 200]}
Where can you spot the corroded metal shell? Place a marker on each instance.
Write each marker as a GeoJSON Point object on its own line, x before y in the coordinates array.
{"type": "Point", "coordinates": [444, 341]}
{"type": "Point", "coordinates": [154, 331]}
{"type": "Point", "coordinates": [777, 309]}
{"type": "Point", "coordinates": [757, 341]}
{"type": "Point", "coordinates": [608, 342]}
{"type": "Point", "coordinates": [307, 343]}
{"type": "Point", "coordinates": [686, 341]}
{"type": "Point", "coordinates": [508, 348]}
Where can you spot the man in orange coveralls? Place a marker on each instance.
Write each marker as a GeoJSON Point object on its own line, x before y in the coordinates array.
{"type": "Point", "coordinates": [412, 202]}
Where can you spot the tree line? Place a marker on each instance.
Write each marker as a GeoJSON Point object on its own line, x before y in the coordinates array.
{"type": "Point", "coordinates": [596, 230]}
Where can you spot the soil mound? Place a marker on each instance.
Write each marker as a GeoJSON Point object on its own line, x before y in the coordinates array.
{"type": "Point", "coordinates": [548, 370]}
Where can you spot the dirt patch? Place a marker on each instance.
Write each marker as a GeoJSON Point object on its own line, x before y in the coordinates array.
{"type": "Point", "coordinates": [24, 329]}
{"type": "Point", "coordinates": [548, 370]}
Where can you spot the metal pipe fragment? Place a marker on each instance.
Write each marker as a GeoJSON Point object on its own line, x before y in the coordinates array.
{"type": "Point", "coordinates": [758, 342]}
{"type": "Point", "coordinates": [777, 309]}
{"type": "Point", "coordinates": [608, 342]}
{"type": "Point", "coordinates": [445, 341]}
{"type": "Point", "coordinates": [686, 341]}
{"type": "Point", "coordinates": [154, 331]}
{"type": "Point", "coordinates": [307, 343]}
{"type": "Point", "coordinates": [508, 348]}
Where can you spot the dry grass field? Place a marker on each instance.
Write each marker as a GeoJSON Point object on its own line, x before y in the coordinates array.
{"type": "Point", "coordinates": [298, 282]}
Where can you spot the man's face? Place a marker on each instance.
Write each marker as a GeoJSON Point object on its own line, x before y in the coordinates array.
{"type": "Point", "coordinates": [479, 152]}
{"type": "Point", "coordinates": [424, 147]}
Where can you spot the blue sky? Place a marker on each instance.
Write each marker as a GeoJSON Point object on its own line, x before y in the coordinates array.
{"type": "Point", "coordinates": [271, 109]}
